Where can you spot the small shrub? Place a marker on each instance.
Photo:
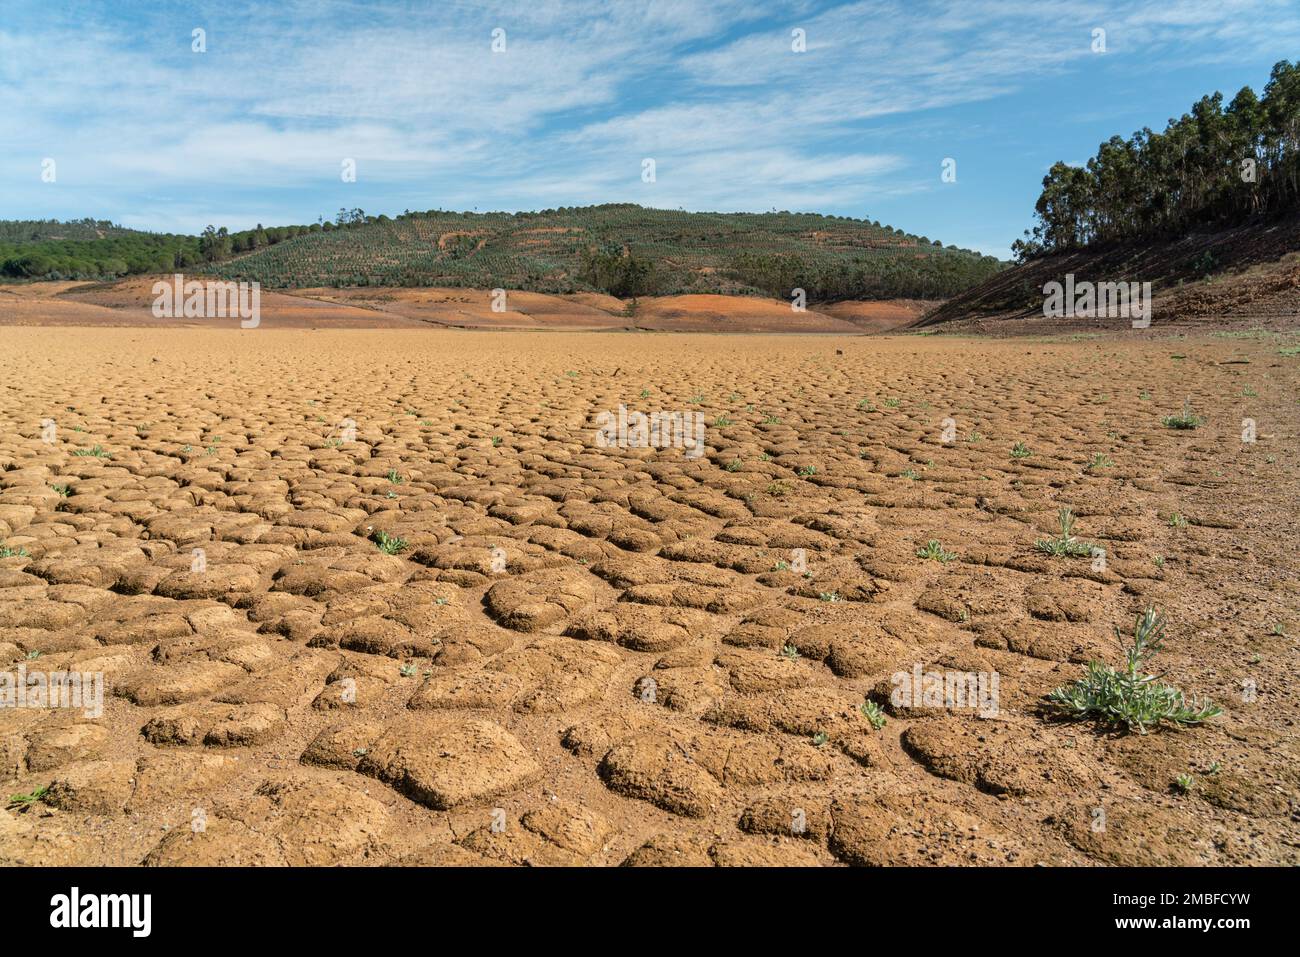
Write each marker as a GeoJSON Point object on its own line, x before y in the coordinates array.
{"type": "Point", "coordinates": [873, 713]}
{"type": "Point", "coordinates": [1130, 698]}
{"type": "Point", "coordinates": [1187, 419]}
{"type": "Point", "coordinates": [1065, 545]}
{"type": "Point", "coordinates": [934, 551]}
{"type": "Point", "coordinates": [388, 544]}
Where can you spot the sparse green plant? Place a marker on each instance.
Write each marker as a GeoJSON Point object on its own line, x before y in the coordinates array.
{"type": "Point", "coordinates": [770, 419]}
{"type": "Point", "coordinates": [864, 405]}
{"type": "Point", "coordinates": [781, 566]}
{"type": "Point", "coordinates": [934, 551]}
{"type": "Point", "coordinates": [1130, 698]}
{"type": "Point", "coordinates": [1177, 521]}
{"type": "Point", "coordinates": [912, 474]}
{"type": "Point", "coordinates": [394, 477]}
{"type": "Point", "coordinates": [808, 471]}
{"type": "Point", "coordinates": [820, 738]}
{"type": "Point", "coordinates": [7, 552]}
{"type": "Point", "coordinates": [733, 466]}
{"type": "Point", "coordinates": [873, 713]}
{"type": "Point", "coordinates": [830, 596]}
{"type": "Point", "coordinates": [96, 451]}
{"type": "Point", "coordinates": [24, 801]}
{"type": "Point", "coordinates": [893, 403]}
{"type": "Point", "coordinates": [790, 652]}
{"type": "Point", "coordinates": [777, 489]}
{"type": "Point", "coordinates": [388, 544]}
{"type": "Point", "coordinates": [974, 437]}
{"type": "Point", "coordinates": [496, 441]}
{"type": "Point", "coordinates": [408, 671]}
{"type": "Point", "coordinates": [721, 422]}
{"type": "Point", "coordinates": [1187, 419]}
{"type": "Point", "coordinates": [1160, 561]}
{"type": "Point", "coordinates": [1065, 545]}
{"type": "Point", "coordinates": [1184, 783]}
{"type": "Point", "coordinates": [1020, 451]}
{"type": "Point", "coordinates": [1100, 461]}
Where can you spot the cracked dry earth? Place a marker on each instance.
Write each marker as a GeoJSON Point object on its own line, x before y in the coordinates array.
{"type": "Point", "coordinates": [586, 655]}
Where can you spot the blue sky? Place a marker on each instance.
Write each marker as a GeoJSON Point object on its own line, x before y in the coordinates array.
{"type": "Point", "coordinates": [146, 132]}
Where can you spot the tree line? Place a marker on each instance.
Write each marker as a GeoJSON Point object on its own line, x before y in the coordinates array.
{"type": "Point", "coordinates": [1215, 166]}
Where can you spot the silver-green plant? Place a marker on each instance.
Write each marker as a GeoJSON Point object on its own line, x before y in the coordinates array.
{"type": "Point", "coordinates": [1131, 698]}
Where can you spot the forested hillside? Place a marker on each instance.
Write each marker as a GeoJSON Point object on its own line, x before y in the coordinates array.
{"type": "Point", "coordinates": [1213, 167]}
{"type": "Point", "coordinates": [622, 249]}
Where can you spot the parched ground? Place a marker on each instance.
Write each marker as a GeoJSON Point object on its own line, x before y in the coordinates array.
{"type": "Point", "coordinates": [596, 655]}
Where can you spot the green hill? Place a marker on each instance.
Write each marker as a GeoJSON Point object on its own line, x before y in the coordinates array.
{"type": "Point", "coordinates": [622, 249]}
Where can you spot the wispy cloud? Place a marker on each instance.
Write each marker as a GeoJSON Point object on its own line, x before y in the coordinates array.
{"type": "Point", "coordinates": [255, 129]}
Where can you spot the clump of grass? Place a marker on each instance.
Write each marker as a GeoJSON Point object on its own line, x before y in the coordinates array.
{"type": "Point", "coordinates": [1130, 698]}
{"type": "Point", "coordinates": [97, 452]}
{"type": "Point", "coordinates": [1100, 461]}
{"type": "Point", "coordinates": [864, 405]}
{"type": "Point", "coordinates": [912, 474]}
{"type": "Point", "coordinates": [1065, 545]}
{"type": "Point", "coordinates": [934, 551]}
{"type": "Point", "coordinates": [777, 489]}
{"type": "Point", "coordinates": [1177, 521]}
{"type": "Point", "coordinates": [1184, 783]}
{"type": "Point", "coordinates": [721, 422]}
{"type": "Point", "coordinates": [1187, 419]}
{"type": "Point", "coordinates": [873, 713]}
{"type": "Point", "coordinates": [394, 477]}
{"type": "Point", "coordinates": [831, 596]}
{"type": "Point", "coordinates": [1020, 451]}
{"type": "Point", "coordinates": [23, 801]}
{"type": "Point", "coordinates": [808, 471]}
{"type": "Point", "coordinates": [771, 420]}
{"type": "Point", "coordinates": [7, 552]}
{"type": "Point", "coordinates": [733, 466]}
{"type": "Point", "coordinates": [388, 544]}
{"type": "Point", "coordinates": [820, 738]}
{"type": "Point", "coordinates": [496, 441]}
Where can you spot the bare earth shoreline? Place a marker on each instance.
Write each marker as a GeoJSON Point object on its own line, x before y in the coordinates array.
{"type": "Point", "coordinates": [313, 699]}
